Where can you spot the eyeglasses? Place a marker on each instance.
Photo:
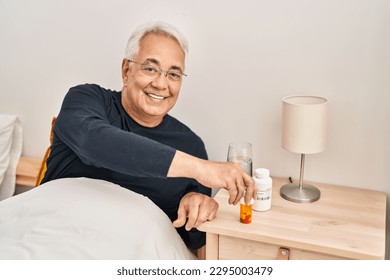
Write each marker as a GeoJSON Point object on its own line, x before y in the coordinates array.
{"type": "Point", "coordinates": [154, 71]}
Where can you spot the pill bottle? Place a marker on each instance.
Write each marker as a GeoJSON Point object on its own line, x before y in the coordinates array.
{"type": "Point", "coordinates": [246, 211]}
{"type": "Point", "coordinates": [263, 183]}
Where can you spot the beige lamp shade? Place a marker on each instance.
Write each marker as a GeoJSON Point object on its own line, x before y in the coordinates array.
{"type": "Point", "coordinates": [304, 128]}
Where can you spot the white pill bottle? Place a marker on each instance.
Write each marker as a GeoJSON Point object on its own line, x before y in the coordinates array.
{"type": "Point", "coordinates": [263, 184]}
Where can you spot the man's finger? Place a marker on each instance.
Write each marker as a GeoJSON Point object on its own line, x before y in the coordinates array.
{"type": "Point", "coordinates": [181, 217]}
{"type": "Point", "coordinates": [203, 214]}
{"type": "Point", "coordinates": [250, 189]}
{"type": "Point", "coordinates": [240, 188]}
{"type": "Point", "coordinates": [231, 188]}
{"type": "Point", "coordinates": [192, 216]}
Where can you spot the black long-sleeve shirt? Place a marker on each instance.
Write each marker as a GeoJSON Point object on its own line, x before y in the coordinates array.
{"type": "Point", "coordinates": [94, 137]}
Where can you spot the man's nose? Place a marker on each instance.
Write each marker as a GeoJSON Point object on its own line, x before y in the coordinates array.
{"type": "Point", "coordinates": [161, 81]}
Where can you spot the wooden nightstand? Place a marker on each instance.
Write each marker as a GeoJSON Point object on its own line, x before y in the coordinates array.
{"type": "Point", "coordinates": [27, 171]}
{"type": "Point", "coordinates": [346, 223]}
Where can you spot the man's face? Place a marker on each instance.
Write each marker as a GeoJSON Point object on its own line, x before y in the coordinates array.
{"type": "Point", "coordinates": [147, 99]}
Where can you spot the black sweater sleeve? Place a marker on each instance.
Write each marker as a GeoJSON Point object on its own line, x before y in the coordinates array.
{"type": "Point", "coordinates": [83, 125]}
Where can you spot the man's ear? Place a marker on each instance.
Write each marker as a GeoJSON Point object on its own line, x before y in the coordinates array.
{"type": "Point", "coordinates": [125, 69]}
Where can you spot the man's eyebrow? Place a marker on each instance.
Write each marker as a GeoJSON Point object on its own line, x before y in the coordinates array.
{"type": "Point", "coordinates": [155, 61]}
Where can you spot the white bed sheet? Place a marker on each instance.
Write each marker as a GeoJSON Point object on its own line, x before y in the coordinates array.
{"type": "Point", "coordinates": [11, 142]}
{"type": "Point", "coordinates": [81, 218]}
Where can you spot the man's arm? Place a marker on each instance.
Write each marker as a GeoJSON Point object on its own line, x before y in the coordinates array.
{"type": "Point", "coordinates": [227, 175]}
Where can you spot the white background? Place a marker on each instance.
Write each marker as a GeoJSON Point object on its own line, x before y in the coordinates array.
{"type": "Point", "coordinates": [139, 270]}
{"type": "Point", "coordinates": [245, 56]}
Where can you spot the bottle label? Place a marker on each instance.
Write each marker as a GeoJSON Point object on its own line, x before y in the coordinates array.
{"type": "Point", "coordinates": [263, 195]}
{"type": "Point", "coordinates": [263, 200]}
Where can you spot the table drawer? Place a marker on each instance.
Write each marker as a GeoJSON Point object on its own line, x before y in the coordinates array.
{"type": "Point", "coordinates": [231, 248]}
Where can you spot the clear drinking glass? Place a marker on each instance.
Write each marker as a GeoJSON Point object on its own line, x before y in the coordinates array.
{"type": "Point", "coordinates": [241, 152]}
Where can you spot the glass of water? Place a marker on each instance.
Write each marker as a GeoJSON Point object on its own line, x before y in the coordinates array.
{"type": "Point", "coordinates": [241, 152]}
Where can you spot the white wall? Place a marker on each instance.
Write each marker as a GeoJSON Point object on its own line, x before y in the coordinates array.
{"type": "Point", "coordinates": [244, 57]}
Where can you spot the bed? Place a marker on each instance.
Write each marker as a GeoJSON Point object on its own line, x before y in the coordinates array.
{"type": "Point", "coordinates": [75, 218]}
{"type": "Point", "coordinates": [82, 218]}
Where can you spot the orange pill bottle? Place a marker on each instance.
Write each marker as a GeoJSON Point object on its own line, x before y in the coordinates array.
{"type": "Point", "coordinates": [245, 211]}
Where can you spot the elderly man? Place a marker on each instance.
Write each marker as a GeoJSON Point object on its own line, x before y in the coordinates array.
{"type": "Point", "coordinates": [128, 138]}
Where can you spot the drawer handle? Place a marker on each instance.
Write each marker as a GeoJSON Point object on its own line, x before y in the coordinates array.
{"type": "Point", "coordinates": [283, 254]}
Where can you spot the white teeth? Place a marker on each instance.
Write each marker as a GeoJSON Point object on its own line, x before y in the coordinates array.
{"type": "Point", "coordinates": [156, 96]}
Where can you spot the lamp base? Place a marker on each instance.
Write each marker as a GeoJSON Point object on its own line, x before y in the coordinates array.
{"type": "Point", "coordinates": [294, 193]}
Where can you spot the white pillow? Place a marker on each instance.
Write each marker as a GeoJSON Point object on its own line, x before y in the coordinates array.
{"type": "Point", "coordinates": [81, 218]}
{"type": "Point", "coordinates": [11, 139]}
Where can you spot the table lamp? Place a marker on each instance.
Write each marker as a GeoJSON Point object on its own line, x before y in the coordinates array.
{"type": "Point", "coordinates": [304, 132]}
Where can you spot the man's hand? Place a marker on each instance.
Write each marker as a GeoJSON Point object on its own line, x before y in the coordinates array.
{"type": "Point", "coordinates": [198, 208]}
{"type": "Point", "coordinates": [227, 175]}
{"type": "Point", "coordinates": [230, 176]}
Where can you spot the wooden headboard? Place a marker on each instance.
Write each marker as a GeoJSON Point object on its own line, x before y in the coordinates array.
{"type": "Point", "coordinates": [27, 171]}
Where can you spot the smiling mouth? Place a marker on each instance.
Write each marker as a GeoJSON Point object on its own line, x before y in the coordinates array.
{"type": "Point", "coordinates": [157, 97]}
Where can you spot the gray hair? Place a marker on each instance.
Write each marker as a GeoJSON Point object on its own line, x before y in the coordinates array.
{"type": "Point", "coordinates": [159, 28]}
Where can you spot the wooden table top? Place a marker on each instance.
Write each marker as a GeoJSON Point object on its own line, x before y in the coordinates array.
{"type": "Point", "coordinates": [345, 221]}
